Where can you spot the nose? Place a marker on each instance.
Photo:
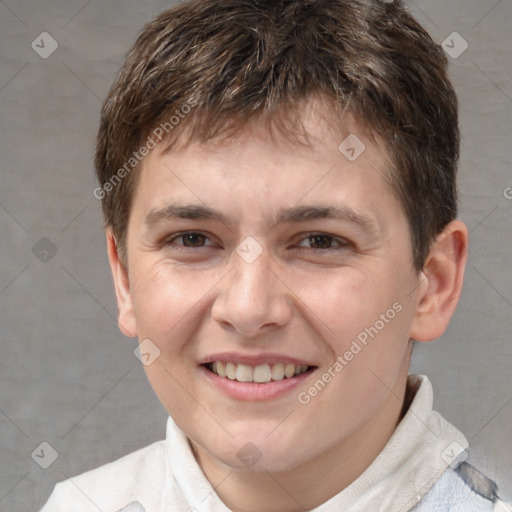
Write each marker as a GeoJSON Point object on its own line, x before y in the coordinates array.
{"type": "Point", "coordinates": [252, 299]}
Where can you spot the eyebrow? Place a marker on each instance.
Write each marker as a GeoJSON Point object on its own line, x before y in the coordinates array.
{"type": "Point", "coordinates": [295, 214]}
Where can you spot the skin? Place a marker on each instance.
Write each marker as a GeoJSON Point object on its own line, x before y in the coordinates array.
{"type": "Point", "coordinates": [297, 298]}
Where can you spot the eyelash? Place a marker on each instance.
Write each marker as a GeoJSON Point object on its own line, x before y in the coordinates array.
{"type": "Point", "coordinates": [342, 243]}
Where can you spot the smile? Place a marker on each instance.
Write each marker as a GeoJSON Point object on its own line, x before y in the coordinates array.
{"type": "Point", "coordinates": [260, 374]}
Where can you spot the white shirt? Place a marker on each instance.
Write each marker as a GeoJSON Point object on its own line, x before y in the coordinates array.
{"type": "Point", "coordinates": [418, 470]}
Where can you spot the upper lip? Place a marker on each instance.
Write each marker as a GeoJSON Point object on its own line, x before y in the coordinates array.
{"type": "Point", "coordinates": [253, 360]}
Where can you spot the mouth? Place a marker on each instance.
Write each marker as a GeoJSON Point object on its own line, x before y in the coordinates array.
{"type": "Point", "coordinates": [255, 377]}
{"type": "Point", "coordinates": [259, 374]}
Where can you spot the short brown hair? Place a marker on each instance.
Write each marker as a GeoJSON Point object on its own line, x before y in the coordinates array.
{"type": "Point", "coordinates": [235, 60]}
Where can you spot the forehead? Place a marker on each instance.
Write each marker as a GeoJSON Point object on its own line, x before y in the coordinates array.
{"type": "Point", "coordinates": [260, 170]}
{"type": "Point", "coordinates": [310, 126]}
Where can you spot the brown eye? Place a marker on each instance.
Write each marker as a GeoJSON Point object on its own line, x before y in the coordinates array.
{"type": "Point", "coordinates": [193, 239]}
{"type": "Point", "coordinates": [189, 239]}
{"type": "Point", "coordinates": [320, 241]}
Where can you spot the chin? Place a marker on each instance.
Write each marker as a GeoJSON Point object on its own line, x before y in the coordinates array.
{"type": "Point", "coordinates": [260, 454]}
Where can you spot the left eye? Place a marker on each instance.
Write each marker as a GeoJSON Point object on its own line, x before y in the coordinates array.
{"type": "Point", "coordinates": [323, 241]}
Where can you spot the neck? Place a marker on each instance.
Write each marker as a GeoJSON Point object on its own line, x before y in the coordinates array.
{"type": "Point", "coordinates": [309, 485]}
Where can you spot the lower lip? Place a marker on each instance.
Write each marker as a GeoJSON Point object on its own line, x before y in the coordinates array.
{"type": "Point", "coordinates": [253, 390]}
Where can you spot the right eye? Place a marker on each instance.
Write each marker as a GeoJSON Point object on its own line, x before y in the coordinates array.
{"type": "Point", "coordinates": [189, 239]}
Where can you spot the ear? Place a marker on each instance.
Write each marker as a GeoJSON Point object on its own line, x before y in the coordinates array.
{"type": "Point", "coordinates": [126, 319]}
{"type": "Point", "coordinates": [440, 283]}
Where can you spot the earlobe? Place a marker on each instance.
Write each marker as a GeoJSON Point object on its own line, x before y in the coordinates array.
{"type": "Point", "coordinates": [440, 283]}
{"type": "Point", "coordinates": [126, 316]}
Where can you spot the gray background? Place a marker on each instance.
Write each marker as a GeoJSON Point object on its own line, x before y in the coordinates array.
{"type": "Point", "coordinates": [68, 377]}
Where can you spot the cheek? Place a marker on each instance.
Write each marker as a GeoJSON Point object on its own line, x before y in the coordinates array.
{"type": "Point", "coordinates": [346, 300]}
{"type": "Point", "coordinates": [372, 336]}
{"type": "Point", "coordinates": [167, 304]}
{"type": "Point", "coordinates": [363, 317]}
{"type": "Point", "coordinates": [163, 298]}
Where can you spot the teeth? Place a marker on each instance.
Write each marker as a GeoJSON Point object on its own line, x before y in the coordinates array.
{"type": "Point", "coordinates": [231, 371]}
{"type": "Point", "coordinates": [221, 369]}
{"type": "Point", "coordinates": [289, 370]}
{"type": "Point", "coordinates": [278, 371]}
{"type": "Point", "coordinates": [243, 373]}
{"type": "Point", "coordinates": [262, 373]}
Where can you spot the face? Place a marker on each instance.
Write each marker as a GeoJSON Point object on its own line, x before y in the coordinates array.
{"type": "Point", "coordinates": [286, 267]}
